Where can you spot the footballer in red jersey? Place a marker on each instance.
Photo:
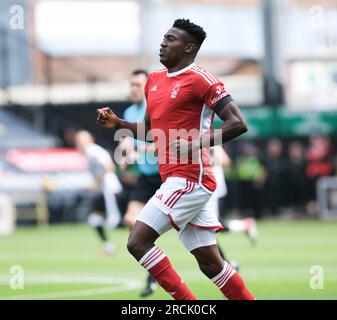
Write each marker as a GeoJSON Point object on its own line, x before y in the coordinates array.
{"type": "Point", "coordinates": [181, 102]}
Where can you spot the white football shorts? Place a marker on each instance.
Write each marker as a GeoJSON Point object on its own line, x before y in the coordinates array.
{"type": "Point", "coordinates": [183, 205]}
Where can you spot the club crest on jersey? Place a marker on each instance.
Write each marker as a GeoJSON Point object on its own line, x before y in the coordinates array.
{"type": "Point", "coordinates": [175, 91]}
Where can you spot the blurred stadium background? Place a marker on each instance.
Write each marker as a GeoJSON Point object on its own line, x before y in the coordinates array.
{"type": "Point", "coordinates": [61, 60]}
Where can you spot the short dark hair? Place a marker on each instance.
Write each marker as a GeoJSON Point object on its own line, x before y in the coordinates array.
{"type": "Point", "coordinates": [140, 71]}
{"type": "Point", "coordinates": [193, 30]}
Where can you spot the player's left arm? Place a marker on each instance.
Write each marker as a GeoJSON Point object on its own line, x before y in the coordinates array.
{"type": "Point", "coordinates": [234, 123]}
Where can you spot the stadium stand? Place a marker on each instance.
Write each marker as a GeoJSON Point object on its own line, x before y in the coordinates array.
{"type": "Point", "coordinates": [34, 172]}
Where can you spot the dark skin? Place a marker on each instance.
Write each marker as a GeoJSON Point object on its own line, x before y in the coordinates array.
{"type": "Point", "coordinates": [177, 51]}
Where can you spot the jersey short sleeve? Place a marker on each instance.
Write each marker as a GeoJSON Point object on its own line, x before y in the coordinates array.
{"type": "Point", "coordinates": [209, 89]}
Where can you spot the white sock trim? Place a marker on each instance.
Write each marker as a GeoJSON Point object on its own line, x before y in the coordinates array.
{"type": "Point", "coordinates": [222, 278]}
{"type": "Point", "coordinates": [141, 261]}
{"type": "Point", "coordinates": [152, 257]}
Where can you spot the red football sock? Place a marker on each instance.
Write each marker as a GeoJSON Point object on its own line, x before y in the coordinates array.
{"type": "Point", "coordinates": [160, 268]}
{"type": "Point", "coordinates": [231, 284]}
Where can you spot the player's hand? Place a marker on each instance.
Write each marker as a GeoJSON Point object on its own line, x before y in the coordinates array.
{"type": "Point", "coordinates": [106, 118]}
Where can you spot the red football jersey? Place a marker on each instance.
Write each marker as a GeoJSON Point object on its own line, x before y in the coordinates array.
{"type": "Point", "coordinates": [183, 101]}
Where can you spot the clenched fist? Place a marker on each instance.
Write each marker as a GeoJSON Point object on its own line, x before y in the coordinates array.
{"type": "Point", "coordinates": [106, 118]}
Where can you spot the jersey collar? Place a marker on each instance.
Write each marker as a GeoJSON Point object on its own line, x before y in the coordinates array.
{"type": "Point", "coordinates": [177, 73]}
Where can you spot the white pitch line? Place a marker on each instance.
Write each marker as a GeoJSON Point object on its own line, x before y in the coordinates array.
{"type": "Point", "coordinates": [67, 294]}
{"type": "Point", "coordinates": [123, 285]}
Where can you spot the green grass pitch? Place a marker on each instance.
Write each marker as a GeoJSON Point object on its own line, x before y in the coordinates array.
{"type": "Point", "coordinates": [65, 262]}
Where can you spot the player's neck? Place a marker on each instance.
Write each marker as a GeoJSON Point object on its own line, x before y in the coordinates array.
{"type": "Point", "coordinates": [181, 65]}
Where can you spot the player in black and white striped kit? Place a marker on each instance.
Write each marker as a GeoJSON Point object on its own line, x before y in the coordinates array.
{"type": "Point", "coordinates": [105, 212]}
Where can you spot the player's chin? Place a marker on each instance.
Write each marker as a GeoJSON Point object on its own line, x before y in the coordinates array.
{"type": "Point", "coordinates": [163, 59]}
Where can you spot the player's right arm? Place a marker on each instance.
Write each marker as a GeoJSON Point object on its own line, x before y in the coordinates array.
{"type": "Point", "coordinates": [138, 130]}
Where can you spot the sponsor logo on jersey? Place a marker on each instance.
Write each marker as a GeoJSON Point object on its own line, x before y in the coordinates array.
{"type": "Point", "coordinates": [219, 97]}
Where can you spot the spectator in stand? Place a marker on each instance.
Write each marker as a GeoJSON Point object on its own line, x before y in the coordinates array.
{"type": "Point", "coordinates": [68, 137]}
{"type": "Point", "coordinates": [274, 165]}
{"type": "Point", "coordinates": [320, 157]}
{"type": "Point", "coordinates": [294, 178]}
{"type": "Point", "coordinates": [251, 175]}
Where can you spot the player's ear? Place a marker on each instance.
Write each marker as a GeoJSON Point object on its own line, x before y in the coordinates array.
{"type": "Point", "coordinates": [190, 48]}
